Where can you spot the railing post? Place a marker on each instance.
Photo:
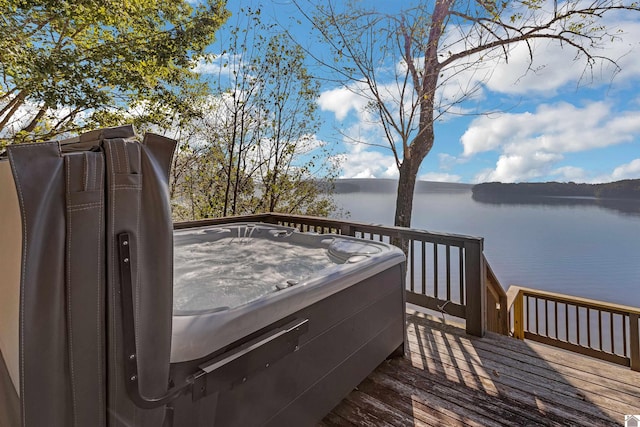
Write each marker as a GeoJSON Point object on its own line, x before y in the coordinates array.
{"type": "Point", "coordinates": [347, 230]}
{"type": "Point", "coordinates": [518, 316]}
{"type": "Point", "coordinates": [634, 342]}
{"type": "Point", "coordinates": [476, 300]}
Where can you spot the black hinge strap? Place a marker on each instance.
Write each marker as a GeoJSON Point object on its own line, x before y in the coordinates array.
{"type": "Point", "coordinates": [129, 336]}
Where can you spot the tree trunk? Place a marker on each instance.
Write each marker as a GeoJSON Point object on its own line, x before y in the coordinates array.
{"type": "Point", "coordinates": [32, 125]}
{"type": "Point", "coordinates": [417, 150]}
{"type": "Point", "coordinates": [404, 198]}
{"type": "Point", "coordinates": [15, 104]}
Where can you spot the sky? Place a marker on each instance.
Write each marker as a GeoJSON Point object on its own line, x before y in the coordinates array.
{"type": "Point", "coordinates": [553, 122]}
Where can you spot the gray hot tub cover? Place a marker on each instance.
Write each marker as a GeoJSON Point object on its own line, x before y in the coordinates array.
{"type": "Point", "coordinates": [75, 199]}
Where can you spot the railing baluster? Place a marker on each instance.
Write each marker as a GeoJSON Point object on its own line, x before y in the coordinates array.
{"type": "Point", "coordinates": [435, 270]}
{"type": "Point", "coordinates": [424, 267]}
{"type": "Point", "coordinates": [600, 328]}
{"type": "Point", "coordinates": [577, 324]}
{"type": "Point", "coordinates": [611, 330]}
{"type": "Point", "coordinates": [527, 308]}
{"type": "Point", "coordinates": [546, 318]}
{"type": "Point", "coordinates": [566, 321]}
{"type": "Point", "coordinates": [448, 261]}
{"type": "Point", "coordinates": [535, 314]}
{"type": "Point", "coordinates": [624, 336]}
{"type": "Point", "coordinates": [412, 263]}
{"type": "Point", "coordinates": [555, 309]}
{"type": "Point", "coordinates": [588, 328]}
{"type": "Point", "coordinates": [461, 269]}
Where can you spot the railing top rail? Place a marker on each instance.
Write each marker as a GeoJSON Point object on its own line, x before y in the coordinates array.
{"type": "Point", "coordinates": [569, 299]}
{"type": "Point", "coordinates": [222, 220]}
{"type": "Point", "coordinates": [492, 280]}
{"type": "Point", "coordinates": [378, 228]}
{"type": "Point", "coordinates": [393, 231]}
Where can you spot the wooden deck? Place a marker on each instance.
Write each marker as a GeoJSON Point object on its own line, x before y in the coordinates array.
{"type": "Point", "coordinates": [453, 379]}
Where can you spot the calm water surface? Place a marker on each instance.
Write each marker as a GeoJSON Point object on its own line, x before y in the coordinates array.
{"type": "Point", "coordinates": [573, 247]}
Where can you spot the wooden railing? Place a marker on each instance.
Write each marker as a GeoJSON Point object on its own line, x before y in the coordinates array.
{"type": "Point", "coordinates": [602, 330]}
{"type": "Point", "coordinates": [445, 272]}
{"type": "Point", "coordinates": [449, 273]}
{"type": "Point", "coordinates": [497, 306]}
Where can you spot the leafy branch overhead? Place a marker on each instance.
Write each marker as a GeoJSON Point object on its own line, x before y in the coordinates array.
{"type": "Point", "coordinates": [66, 65]}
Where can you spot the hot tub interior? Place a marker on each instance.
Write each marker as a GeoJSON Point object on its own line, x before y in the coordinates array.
{"type": "Point", "coordinates": [228, 266]}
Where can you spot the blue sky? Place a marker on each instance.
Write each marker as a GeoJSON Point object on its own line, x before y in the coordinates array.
{"type": "Point", "coordinates": [554, 124]}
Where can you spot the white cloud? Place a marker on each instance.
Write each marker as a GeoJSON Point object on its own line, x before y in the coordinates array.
{"type": "Point", "coordinates": [515, 167]}
{"type": "Point", "coordinates": [218, 64]}
{"type": "Point", "coordinates": [630, 170]}
{"type": "Point", "coordinates": [571, 174]}
{"type": "Point", "coordinates": [341, 101]}
{"type": "Point", "coordinates": [554, 66]}
{"type": "Point", "coordinates": [368, 164]}
{"type": "Point", "coordinates": [531, 143]}
{"type": "Point", "coordinates": [391, 172]}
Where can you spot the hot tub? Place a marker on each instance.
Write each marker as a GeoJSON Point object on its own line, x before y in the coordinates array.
{"type": "Point", "coordinates": [240, 284]}
{"type": "Point", "coordinates": [267, 326]}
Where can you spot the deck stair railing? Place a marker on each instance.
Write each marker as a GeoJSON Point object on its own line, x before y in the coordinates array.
{"type": "Point", "coordinates": [594, 328]}
{"type": "Point", "coordinates": [445, 272]}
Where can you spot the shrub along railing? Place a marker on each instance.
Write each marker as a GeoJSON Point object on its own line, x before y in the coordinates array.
{"type": "Point", "coordinates": [445, 272]}
{"type": "Point", "coordinates": [602, 330]}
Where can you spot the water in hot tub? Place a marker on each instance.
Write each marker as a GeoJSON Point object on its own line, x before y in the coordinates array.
{"type": "Point", "coordinates": [232, 271]}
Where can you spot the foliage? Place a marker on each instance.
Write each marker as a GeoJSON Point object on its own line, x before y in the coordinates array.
{"type": "Point", "coordinates": [253, 149]}
{"type": "Point", "coordinates": [71, 65]}
{"type": "Point", "coordinates": [401, 63]}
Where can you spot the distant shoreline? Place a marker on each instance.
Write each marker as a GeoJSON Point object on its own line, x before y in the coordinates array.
{"type": "Point", "coordinates": [380, 185]}
{"type": "Point", "coordinates": [628, 189]}
{"type": "Point", "coordinates": [625, 189]}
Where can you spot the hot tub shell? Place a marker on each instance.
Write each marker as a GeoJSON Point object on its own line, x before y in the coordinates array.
{"type": "Point", "coordinates": [92, 290]}
{"type": "Point", "coordinates": [353, 318]}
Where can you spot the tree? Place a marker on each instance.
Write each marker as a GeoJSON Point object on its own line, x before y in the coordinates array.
{"type": "Point", "coordinates": [288, 102]}
{"type": "Point", "coordinates": [71, 65]}
{"type": "Point", "coordinates": [210, 178]}
{"type": "Point", "coordinates": [253, 149]}
{"type": "Point", "coordinates": [423, 48]}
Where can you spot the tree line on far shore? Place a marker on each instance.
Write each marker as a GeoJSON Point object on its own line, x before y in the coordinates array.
{"type": "Point", "coordinates": [625, 189]}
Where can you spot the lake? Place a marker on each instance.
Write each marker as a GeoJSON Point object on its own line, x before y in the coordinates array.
{"type": "Point", "coordinates": [582, 247]}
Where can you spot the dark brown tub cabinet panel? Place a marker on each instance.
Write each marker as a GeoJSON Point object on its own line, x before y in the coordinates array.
{"type": "Point", "coordinates": [349, 334]}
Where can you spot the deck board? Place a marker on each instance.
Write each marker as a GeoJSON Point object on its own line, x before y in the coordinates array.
{"type": "Point", "coordinates": [453, 379]}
